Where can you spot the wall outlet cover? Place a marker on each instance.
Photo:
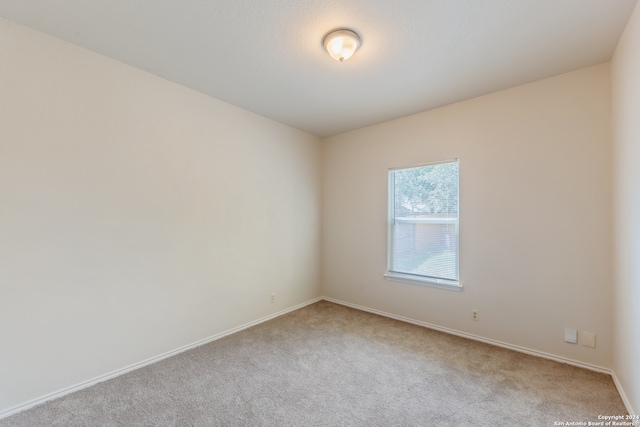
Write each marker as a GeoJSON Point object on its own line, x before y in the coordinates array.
{"type": "Point", "coordinates": [571, 336]}
{"type": "Point", "coordinates": [588, 339]}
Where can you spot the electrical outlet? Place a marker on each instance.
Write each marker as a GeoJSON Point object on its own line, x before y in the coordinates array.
{"type": "Point", "coordinates": [588, 339]}
{"type": "Point", "coordinates": [570, 336]}
{"type": "Point", "coordinates": [272, 298]}
{"type": "Point", "coordinates": [475, 314]}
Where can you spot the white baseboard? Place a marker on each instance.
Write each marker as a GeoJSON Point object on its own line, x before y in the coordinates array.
{"type": "Point", "coordinates": [623, 395]}
{"type": "Point", "coordinates": [475, 337]}
{"type": "Point", "coordinates": [56, 394]}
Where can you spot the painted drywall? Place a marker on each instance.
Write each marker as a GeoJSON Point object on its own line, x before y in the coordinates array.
{"type": "Point", "coordinates": [625, 78]}
{"type": "Point", "coordinates": [535, 221]}
{"type": "Point", "coordinates": [136, 216]}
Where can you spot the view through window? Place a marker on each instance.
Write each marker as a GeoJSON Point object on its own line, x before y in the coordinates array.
{"type": "Point", "coordinates": [423, 222]}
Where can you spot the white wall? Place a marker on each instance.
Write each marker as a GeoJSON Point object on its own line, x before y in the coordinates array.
{"type": "Point", "coordinates": [625, 76]}
{"type": "Point", "coordinates": [535, 165]}
{"type": "Point", "coordinates": [136, 216]}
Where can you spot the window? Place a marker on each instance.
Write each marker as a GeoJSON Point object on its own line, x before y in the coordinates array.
{"type": "Point", "coordinates": [423, 225]}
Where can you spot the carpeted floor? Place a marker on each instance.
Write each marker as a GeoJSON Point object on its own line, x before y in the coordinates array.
{"type": "Point", "coordinates": [329, 365]}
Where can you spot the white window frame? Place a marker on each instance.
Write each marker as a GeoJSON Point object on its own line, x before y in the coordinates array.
{"type": "Point", "coordinates": [453, 285]}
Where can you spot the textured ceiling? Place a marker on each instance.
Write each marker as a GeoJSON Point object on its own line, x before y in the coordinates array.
{"type": "Point", "coordinates": [266, 55]}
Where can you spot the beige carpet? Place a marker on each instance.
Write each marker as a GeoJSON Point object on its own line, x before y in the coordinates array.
{"type": "Point", "coordinates": [329, 365]}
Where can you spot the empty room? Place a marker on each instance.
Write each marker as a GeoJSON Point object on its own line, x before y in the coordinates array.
{"type": "Point", "coordinates": [295, 212]}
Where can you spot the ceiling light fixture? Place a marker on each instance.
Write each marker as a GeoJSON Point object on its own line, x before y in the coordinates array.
{"type": "Point", "coordinates": [341, 44]}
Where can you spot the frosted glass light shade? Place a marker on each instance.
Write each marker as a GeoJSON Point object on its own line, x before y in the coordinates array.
{"type": "Point", "coordinates": [341, 44]}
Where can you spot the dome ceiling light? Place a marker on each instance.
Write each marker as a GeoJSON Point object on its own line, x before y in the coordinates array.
{"type": "Point", "coordinates": [341, 44]}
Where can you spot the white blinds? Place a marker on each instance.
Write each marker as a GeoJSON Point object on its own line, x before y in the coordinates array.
{"type": "Point", "coordinates": [424, 221]}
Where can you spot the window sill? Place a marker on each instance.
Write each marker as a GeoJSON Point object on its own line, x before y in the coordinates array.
{"type": "Point", "coordinates": [424, 281]}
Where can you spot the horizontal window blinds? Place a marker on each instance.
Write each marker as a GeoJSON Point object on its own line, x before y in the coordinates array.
{"type": "Point", "coordinates": [424, 221]}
